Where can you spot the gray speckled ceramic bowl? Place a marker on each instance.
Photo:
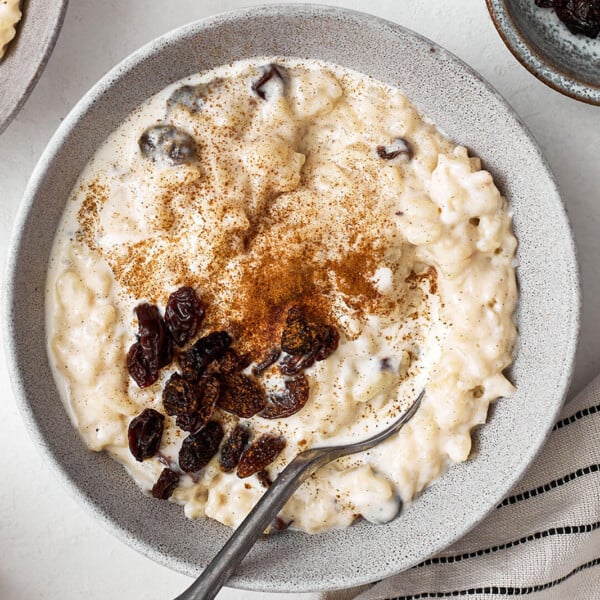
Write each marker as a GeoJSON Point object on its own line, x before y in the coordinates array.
{"type": "Point", "coordinates": [567, 62]}
{"type": "Point", "coordinates": [468, 110]}
{"type": "Point", "coordinates": [28, 53]}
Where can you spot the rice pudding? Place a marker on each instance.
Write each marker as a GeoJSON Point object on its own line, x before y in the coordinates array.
{"type": "Point", "coordinates": [337, 253]}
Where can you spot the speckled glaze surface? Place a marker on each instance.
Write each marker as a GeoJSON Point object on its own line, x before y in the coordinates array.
{"type": "Point", "coordinates": [537, 38]}
{"type": "Point", "coordinates": [28, 53]}
{"type": "Point", "coordinates": [468, 110]}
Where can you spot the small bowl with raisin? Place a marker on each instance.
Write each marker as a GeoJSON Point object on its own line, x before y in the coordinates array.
{"type": "Point", "coordinates": [556, 40]}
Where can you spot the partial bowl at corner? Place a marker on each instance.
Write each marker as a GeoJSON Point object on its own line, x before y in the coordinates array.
{"type": "Point", "coordinates": [566, 62]}
{"type": "Point", "coordinates": [27, 54]}
{"type": "Point", "coordinates": [467, 109]}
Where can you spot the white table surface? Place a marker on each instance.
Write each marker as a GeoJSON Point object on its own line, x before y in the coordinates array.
{"type": "Point", "coordinates": [50, 547]}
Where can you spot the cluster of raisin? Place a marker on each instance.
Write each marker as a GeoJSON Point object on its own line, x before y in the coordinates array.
{"type": "Point", "coordinates": [154, 346]}
{"type": "Point", "coordinates": [580, 16]}
{"type": "Point", "coordinates": [211, 377]}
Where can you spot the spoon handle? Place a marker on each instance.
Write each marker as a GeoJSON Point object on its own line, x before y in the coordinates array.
{"type": "Point", "coordinates": [239, 544]}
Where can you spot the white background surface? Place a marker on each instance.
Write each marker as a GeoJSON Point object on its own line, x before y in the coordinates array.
{"type": "Point", "coordinates": [49, 547]}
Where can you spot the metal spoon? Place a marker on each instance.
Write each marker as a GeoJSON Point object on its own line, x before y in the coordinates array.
{"type": "Point", "coordinates": [213, 578]}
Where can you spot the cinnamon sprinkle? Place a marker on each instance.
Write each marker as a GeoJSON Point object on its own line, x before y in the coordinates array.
{"type": "Point", "coordinates": [279, 252]}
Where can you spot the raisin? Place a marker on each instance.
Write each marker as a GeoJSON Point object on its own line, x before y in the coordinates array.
{"type": "Point", "coordinates": [179, 396]}
{"type": "Point", "coordinates": [297, 335]}
{"type": "Point", "coordinates": [305, 342]}
{"type": "Point", "coordinates": [207, 393]}
{"type": "Point", "coordinates": [271, 74]}
{"type": "Point", "coordinates": [233, 448]}
{"type": "Point", "coordinates": [326, 341]}
{"type": "Point", "coordinates": [138, 368]}
{"type": "Point", "coordinates": [232, 362]}
{"type": "Point", "coordinates": [165, 485]}
{"type": "Point", "coordinates": [241, 395]}
{"type": "Point", "coordinates": [292, 365]}
{"type": "Point", "coordinates": [155, 339]}
{"type": "Point", "coordinates": [183, 315]}
{"type": "Point", "coordinates": [145, 433]}
{"type": "Point", "coordinates": [289, 403]}
{"type": "Point", "coordinates": [168, 143]}
{"type": "Point", "coordinates": [211, 347]}
{"type": "Point", "coordinates": [260, 454]}
{"type": "Point", "coordinates": [385, 364]}
{"type": "Point", "coordinates": [269, 360]}
{"type": "Point", "coordinates": [264, 479]}
{"type": "Point", "coordinates": [198, 448]}
{"type": "Point", "coordinates": [399, 147]}
{"type": "Point", "coordinates": [153, 349]}
{"type": "Point", "coordinates": [191, 97]}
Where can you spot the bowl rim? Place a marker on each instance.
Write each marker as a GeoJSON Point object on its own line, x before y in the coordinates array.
{"type": "Point", "coordinates": [546, 72]}
{"type": "Point", "coordinates": [55, 27]}
{"type": "Point", "coordinates": [27, 207]}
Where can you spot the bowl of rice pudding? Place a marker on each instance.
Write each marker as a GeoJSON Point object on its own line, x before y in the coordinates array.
{"type": "Point", "coordinates": [252, 238]}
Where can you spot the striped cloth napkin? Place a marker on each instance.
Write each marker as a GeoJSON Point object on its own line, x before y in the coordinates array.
{"type": "Point", "coordinates": [542, 542]}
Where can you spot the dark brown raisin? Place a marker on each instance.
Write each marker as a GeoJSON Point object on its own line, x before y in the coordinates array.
{"type": "Point", "coordinates": [326, 341]}
{"type": "Point", "coordinates": [292, 365]}
{"type": "Point", "coordinates": [155, 339]}
{"type": "Point", "coordinates": [241, 395]}
{"type": "Point", "coordinates": [198, 448]}
{"type": "Point", "coordinates": [264, 479]}
{"type": "Point", "coordinates": [385, 364]}
{"type": "Point", "coordinates": [165, 485]}
{"type": "Point", "coordinates": [145, 433]}
{"type": "Point", "coordinates": [305, 342]}
{"type": "Point", "coordinates": [207, 393]}
{"type": "Point", "coordinates": [284, 405]}
{"type": "Point", "coordinates": [154, 348]}
{"type": "Point", "coordinates": [138, 368]}
{"type": "Point", "coordinates": [269, 360]}
{"type": "Point", "coordinates": [211, 347]}
{"type": "Point", "coordinates": [233, 448]}
{"type": "Point", "coordinates": [297, 335]}
{"type": "Point", "coordinates": [179, 396]}
{"type": "Point", "coordinates": [260, 454]}
{"type": "Point", "coordinates": [399, 147]}
{"type": "Point", "coordinates": [275, 74]}
{"type": "Point", "coordinates": [168, 143]}
{"type": "Point", "coordinates": [183, 315]}
{"type": "Point", "coordinates": [232, 362]}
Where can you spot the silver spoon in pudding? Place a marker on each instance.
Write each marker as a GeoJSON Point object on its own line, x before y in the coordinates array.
{"type": "Point", "coordinates": [216, 574]}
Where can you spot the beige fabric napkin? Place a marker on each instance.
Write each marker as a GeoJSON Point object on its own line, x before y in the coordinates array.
{"type": "Point", "coordinates": [541, 543]}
